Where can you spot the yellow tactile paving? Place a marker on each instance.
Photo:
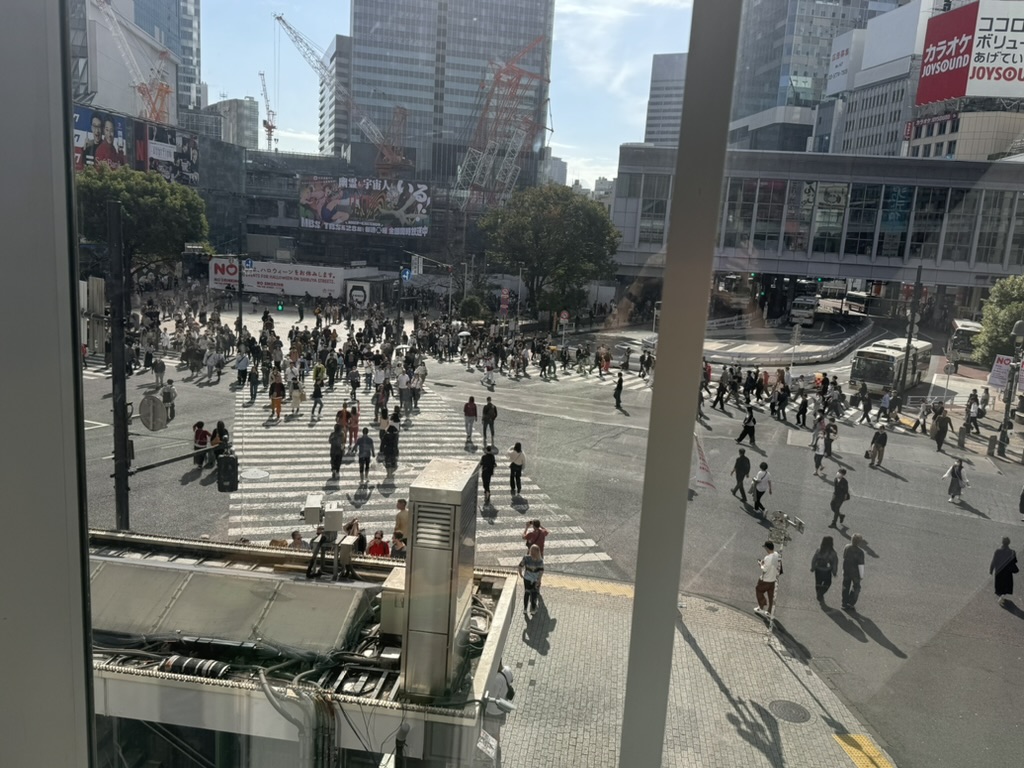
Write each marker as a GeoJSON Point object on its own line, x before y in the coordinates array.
{"type": "Point", "coordinates": [862, 750]}
{"type": "Point", "coordinates": [594, 586]}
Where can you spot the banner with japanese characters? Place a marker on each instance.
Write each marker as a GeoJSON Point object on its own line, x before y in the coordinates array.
{"type": "Point", "coordinates": [276, 279]}
{"type": "Point", "coordinates": [974, 50]}
{"type": "Point", "coordinates": [364, 206]}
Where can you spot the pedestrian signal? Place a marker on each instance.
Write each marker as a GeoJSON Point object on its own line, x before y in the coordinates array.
{"type": "Point", "coordinates": [280, 306]}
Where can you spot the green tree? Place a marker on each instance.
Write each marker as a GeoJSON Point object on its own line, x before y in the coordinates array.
{"type": "Point", "coordinates": [471, 308]}
{"type": "Point", "coordinates": [562, 240]}
{"type": "Point", "coordinates": [1005, 306]}
{"type": "Point", "coordinates": [159, 217]}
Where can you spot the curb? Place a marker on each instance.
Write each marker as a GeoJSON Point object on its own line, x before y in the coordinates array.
{"type": "Point", "coordinates": [784, 359]}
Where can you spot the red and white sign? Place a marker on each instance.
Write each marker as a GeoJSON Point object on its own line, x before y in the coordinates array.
{"type": "Point", "coordinates": [565, 316]}
{"type": "Point", "coordinates": [276, 278]}
{"type": "Point", "coordinates": [974, 50]}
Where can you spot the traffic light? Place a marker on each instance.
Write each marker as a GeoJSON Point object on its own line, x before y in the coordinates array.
{"type": "Point", "coordinates": [280, 305]}
{"type": "Point", "coordinates": [819, 279]}
{"type": "Point", "coordinates": [753, 274]}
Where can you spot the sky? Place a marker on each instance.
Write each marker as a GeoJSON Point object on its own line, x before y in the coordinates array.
{"type": "Point", "coordinates": [600, 69]}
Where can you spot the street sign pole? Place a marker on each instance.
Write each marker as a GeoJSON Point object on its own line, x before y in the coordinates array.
{"type": "Point", "coordinates": [118, 321]}
{"type": "Point", "coordinates": [239, 296]}
{"type": "Point", "coordinates": [912, 321]}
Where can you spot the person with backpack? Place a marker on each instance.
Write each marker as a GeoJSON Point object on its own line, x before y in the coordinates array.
{"type": "Point", "coordinates": [749, 424]}
{"type": "Point", "coordinates": [824, 566]}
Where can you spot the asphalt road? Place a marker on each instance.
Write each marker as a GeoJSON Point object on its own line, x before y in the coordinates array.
{"type": "Point", "coordinates": [929, 660]}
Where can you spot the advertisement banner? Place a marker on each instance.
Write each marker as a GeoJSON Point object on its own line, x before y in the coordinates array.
{"type": "Point", "coordinates": [997, 66]}
{"type": "Point", "coordinates": [172, 153]}
{"type": "Point", "coordinates": [364, 206]}
{"type": "Point", "coordinates": [946, 61]}
{"type": "Point", "coordinates": [276, 279]}
{"type": "Point", "coordinates": [100, 138]}
{"type": "Point", "coordinates": [358, 294]}
{"type": "Point", "coordinates": [1000, 374]}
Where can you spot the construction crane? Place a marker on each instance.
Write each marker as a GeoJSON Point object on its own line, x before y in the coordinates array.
{"type": "Point", "coordinates": [391, 157]}
{"type": "Point", "coordinates": [269, 124]}
{"type": "Point", "coordinates": [153, 90]}
{"type": "Point", "coordinates": [490, 167]}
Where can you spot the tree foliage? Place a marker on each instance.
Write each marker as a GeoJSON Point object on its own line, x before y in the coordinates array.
{"type": "Point", "coordinates": [159, 217]}
{"type": "Point", "coordinates": [562, 240]}
{"type": "Point", "coordinates": [471, 308]}
{"type": "Point", "coordinates": [1005, 306]}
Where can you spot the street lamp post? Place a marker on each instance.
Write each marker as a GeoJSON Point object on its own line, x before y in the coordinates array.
{"type": "Point", "coordinates": [1011, 386]}
{"type": "Point", "coordinates": [519, 294]}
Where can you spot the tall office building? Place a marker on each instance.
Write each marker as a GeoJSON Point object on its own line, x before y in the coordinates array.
{"type": "Point", "coordinates": [240, 121]}
{"type": "Point", "coordinates": [334, 111]}
{"type": "Point", "coordinates": [784, 52]}
{"type": "Point", "coordinates": [191, 94]}
{"type": "Point", "coordinates": [436, 58]}
{"type": "Point", "coordinates": [665, 100]}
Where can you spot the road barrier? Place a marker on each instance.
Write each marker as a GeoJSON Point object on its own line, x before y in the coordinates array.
{"type": "Point", "coordinates": [748, 359]}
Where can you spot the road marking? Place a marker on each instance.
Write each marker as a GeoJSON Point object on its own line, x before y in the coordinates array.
{"type": "Point", "coordinates": [493, 546]}
{"type": "Point", "coordinates": [862, 750]}
{"type": "Point", "coordinates": [93, 425]}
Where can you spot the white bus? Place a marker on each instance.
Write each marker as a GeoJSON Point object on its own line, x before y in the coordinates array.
{"type": "Point", "coordinates": [880, 365]}
{"type": "Point", "coordinates": [802, 310]}
{"type": "Point", "coordinates": [961, 337]}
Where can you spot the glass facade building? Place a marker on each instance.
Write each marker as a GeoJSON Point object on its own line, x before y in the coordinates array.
{"type": "Point", "coordinates": [435, 58]}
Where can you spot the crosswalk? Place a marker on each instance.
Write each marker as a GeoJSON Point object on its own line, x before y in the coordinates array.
{"type": "Point", "coordinates": [631, 381]}
{"type": "Point", "coordinates": [94, 368]}
{"type": "Point", "coordinates": [281, 462]}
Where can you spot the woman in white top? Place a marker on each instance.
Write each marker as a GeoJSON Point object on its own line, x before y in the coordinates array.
{"type": "Point", "coordinates": [515, 468]}
{"type": "Point", "coordinates": [762, 483]}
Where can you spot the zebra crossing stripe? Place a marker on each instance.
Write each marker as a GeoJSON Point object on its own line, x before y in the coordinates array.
{"type": "Point", "coordinates": [583, 557]}
{"type": "Point", "coordinates": [296, 455]}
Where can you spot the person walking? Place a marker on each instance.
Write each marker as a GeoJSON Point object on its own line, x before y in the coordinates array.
{"type": "Point", "coordinates": [830, 434]}
{"type": "Point", "coordinates": [488, 463]}
{"type": "Point", "coordinates": [517, 462]}
{"type": "Point", "coordinates": [741, 468]}
{"type": "Point", "coordinates": [297, 395]}
{"type": "Point", "coordinates": [364, 450]}
{"type": "Point", "coordinates": [801, 410]}
{"type": "Point", "coordinates": [877, 450]}
{"type": "Point", "coordinates": [531, 570]}
{"type": "Point", "coordinates": [389, 449]}
{"type": "Point", "coordinates": [762, 483]}
{"type": "Point", "coordinates": [973, 410]}
{"type": "Point", "coordinates": [159, 366]}
{"type": "Point", "coordinates": [469, 411]}
{"type": "Point", "coordinates": [922, 418]}
{"type": "Point", "coordinates": [318, 399]}
{"type": "Point", "coordinates": [535, 533]}
{"type": "Point", "coordinates": [749, 427]}
{"type": "Point", "coordinates": [840, 495]}
{"type": "Point", "coordinates": [771, 569]}
{"type": "Point", "coordinates": [200, 441]}
{"type": "Point", "coordinates": [487, 417]}
{"type": "Point", "coordinates": [824, 566]}
{"type": "Point", "coordinates": [853, 571]}
{"type": "Point", "coordinates": [883, 407]}
{"type": "Point", "coordinates": [276, 392]}
{"type": "Point", "coordinates": [941, 425]}
{"type": "Point", "coordinates": [957, 481]}
{"type": "Point", "coordinates": [819, 454]}
{"type": "Point", "coordinates": [1003, 566]}
{"type": "Point", "coordinates": [337, 441]}
{"type": "Point", "coordinates": [617, 393]}
{"type": "Point", "coordinates": [865, 403]}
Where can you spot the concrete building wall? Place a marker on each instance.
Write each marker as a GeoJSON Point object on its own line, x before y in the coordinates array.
{"type": "Point", "coordinates": [665, 99]}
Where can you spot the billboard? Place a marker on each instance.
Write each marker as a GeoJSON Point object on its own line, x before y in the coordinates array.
{"type": "Point", "coordinates": [100, 138]}
{"type": "Point", "coordinates": [847, 52]}
{"type": "Point", "coordinates": [364, 206]}
{"type": "Point", "coordinates": [172, 153]}
{"type": "Point", "coordinates": [974, 50]}
{"type": "Point", "coordinates": [276, 278]}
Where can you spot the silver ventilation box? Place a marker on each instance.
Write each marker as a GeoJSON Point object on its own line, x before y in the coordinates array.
{"type": "Point", "coordinates": [439, 575]}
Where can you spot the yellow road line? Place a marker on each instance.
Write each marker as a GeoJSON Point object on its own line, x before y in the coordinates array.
{"type": "Point", "coordinates": [862, 750]}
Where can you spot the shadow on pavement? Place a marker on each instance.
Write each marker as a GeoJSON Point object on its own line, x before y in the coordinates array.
{"type": "Point", "coordinates": [537, 629]}
{"type": "Point", "coordinates": [973, 510]}
{"type": "Point", "coordinates": [871, 630]}
{"type": "Point", "coordinates": [889, 472]}
{"type": "Point", "coordinates": [844, 623]}
{"type": "Point", "coordinates": [193, 474]}
{"type": "Point", "coordinates": [754, 724]}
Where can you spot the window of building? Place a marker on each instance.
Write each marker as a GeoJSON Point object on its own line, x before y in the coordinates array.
{"type": "Point", "coordinates": [951, 148]}
{"type": "Point", "coordinates": [960, 223]}
{"type": "Point", "coordinates": [954, 125]}
{"type": "Point", "coordinates": [895, 221]}
{"type": "Point", "coordinates": [994, 227]}
{"type": "Point", "coordinates": [739, 212]}
{"type": "Point", "coordinates": [862, 219]}
{"type": "Point", "coordinates": [929, 211]}
{"type": "Point", "coordinates": [917, 131]}
{"type": "Point", "coordinates": [941, 128]}
{"type": "Point", "coordinates": [926, 150]}
{"type": "Point", "coordinates": [799, 211]}
{"type": "Point", "coordinates": [938, 149]}
{"type": "Point", "coordinates": [652, 221]}
{"type": "Point", "coordinates": [771, 205]}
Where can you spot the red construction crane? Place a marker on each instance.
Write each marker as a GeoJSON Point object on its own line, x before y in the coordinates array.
{"type": "Point", "coordinates": [490, 168]}
{"type": "Point", "coordinates": [269, 124]}
{"type": "Point", "coordinates": [390, 153]}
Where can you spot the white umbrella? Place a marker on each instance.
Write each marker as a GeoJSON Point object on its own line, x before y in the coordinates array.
{"type": "Point", "coordinates": [465, 333]}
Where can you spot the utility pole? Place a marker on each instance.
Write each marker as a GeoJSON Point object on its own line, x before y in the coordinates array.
{"type": "Point", "coordinates": [239, 296]}
{"type": "Point", "coordinates": [118, 320]}
{"type": "Point", "coordinates": [913, 317]}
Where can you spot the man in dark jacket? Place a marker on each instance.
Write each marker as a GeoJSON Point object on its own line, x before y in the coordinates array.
{"type": "Point", "coordinates": [741, 468]}
{"type": "Point", "coordinates": [878, 441]}
{"type": "Point", "coordinates": [840, 494]}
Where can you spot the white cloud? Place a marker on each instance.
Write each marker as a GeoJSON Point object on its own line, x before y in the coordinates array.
{"type": "Point", "coordinates": [587, 169]}
{"type": "Point", "coordinates": [297, 141]}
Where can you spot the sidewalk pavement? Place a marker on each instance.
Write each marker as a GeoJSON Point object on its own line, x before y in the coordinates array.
{"type": "Point", "coordinates": [738, 697]}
